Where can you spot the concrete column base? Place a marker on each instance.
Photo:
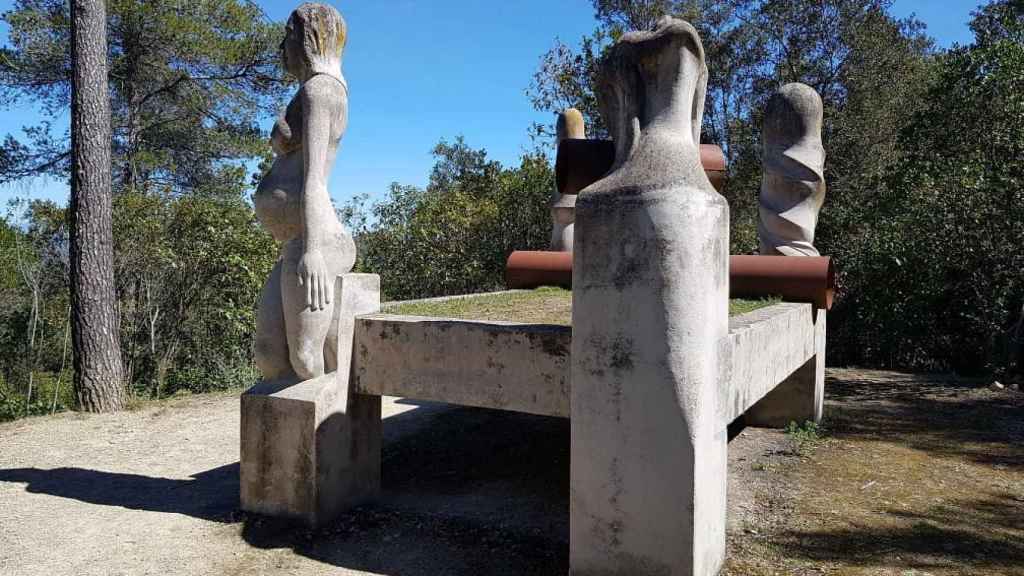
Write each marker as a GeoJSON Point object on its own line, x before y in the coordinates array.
{"type": "Point", "coordinates": [312, 449]}
{"type": "Point", "coordinates": [800, 397]}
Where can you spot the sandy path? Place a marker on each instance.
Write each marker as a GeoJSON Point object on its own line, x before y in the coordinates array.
{"type": "Point", "coordinates": [155, 491]}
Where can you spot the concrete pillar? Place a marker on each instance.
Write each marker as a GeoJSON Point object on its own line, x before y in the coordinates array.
{"type": "Point", "coordinates": [312, 449]}
{"type": "Point", "coordinates": [650, 326]}
{"type": "Point", "coordinates": [801, 396]}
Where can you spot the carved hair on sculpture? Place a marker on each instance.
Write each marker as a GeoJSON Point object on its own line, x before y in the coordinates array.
{"type": "Point", "coordinates": [793, 184]}
{"type": "Point", "coordinates": [323, 32]}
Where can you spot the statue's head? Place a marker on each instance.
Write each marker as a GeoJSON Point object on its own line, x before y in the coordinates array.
{"type": "Point", "coordinates": [314, 39]}
{"type": "Point", "coordinates": [653, 78]}
{"type": "Point", "coordinates": [793, 114]}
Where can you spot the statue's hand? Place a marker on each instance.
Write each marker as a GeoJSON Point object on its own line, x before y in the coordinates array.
{"type": "Point", "coordinates": [313, 275]}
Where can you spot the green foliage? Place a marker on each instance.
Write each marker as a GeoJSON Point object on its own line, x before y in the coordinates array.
{"type": "Point", "coordinates": [35, 370]}
{"type": "Point", "coordinates": [189, 271]}
{"type": "Point", "coordinates": [924, 208]}
{"type": "Point", "coordinates": [454, 236]}
{"type": "Point", "coordinates": [938, 280]}
{"type": "Point", "coordinates": [188, 81]}
{"type": "Point", "coordinates": [803, 437]}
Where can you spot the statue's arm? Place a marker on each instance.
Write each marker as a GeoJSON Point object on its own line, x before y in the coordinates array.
{"type": "Point", "coordinates": [318, 100]}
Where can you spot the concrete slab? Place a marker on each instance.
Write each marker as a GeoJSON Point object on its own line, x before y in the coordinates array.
{"type": "Point", "coordinates": [504, 365]}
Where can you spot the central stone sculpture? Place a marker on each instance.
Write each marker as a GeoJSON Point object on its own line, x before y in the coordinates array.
{"type": "Point", "coordinates": [650, 324]}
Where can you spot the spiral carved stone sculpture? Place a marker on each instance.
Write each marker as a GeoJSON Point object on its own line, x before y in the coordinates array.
{"type": "Point", "coordinates": [793, 184]}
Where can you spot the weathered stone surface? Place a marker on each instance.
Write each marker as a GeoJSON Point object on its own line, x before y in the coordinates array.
{"type": "Point", "coordinates": [504, 365]}
{"type": "Point", "coordinates": [525, 367]}
{"type": "Point", "coordinates": [650, 321]}
{"type": "Point", "coordinates": [297, 321]}
{"type": "Point", "coordinates": [777, 366]}
{"type": "Point", "coordinates": [311, 449]}
{"type": "Point", "coordinates": [563, 206]}
{"type": "Point", "coordinates": [793, 182]}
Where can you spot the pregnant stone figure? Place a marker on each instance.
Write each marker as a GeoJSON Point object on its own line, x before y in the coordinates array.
{"type": "Point", "coordinates": [296, 329]}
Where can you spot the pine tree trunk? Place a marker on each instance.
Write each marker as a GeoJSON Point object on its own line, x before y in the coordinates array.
{"type": "Point", "coordinates": [99, 376]}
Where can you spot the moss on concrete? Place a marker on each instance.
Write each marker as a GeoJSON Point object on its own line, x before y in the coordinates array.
{"type": "Point", "coordinates": [540, 306]}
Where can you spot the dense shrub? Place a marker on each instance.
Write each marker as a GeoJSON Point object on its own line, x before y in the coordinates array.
{"type": "Point", "coordinates": [188, 270]}
{"type": "Point", "coordinates": [939, 279]}
{"type": "Point", "coordinates": [454, 236]}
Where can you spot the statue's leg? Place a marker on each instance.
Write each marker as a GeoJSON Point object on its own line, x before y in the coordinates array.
{"type": "Point", "coordinates": [306, 329]}
{"type": "Point", "coordinates": [271, 346]}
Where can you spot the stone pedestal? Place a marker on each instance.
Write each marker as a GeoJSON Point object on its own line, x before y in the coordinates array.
{"type": "Point", "coordinates": [650, 326]}
{"type": "Point", "coordinates": [800, 397]}
{"type": "Point", "coordinates": [312, 449]}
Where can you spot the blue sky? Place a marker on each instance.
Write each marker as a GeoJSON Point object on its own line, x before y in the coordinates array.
{"type": "Point", "coordinates": [422, 70]}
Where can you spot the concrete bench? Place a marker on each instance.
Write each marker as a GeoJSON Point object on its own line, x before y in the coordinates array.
{"type": "Point", "coordinates": [775, 375]}
{"type": "Point", "coordinates": [311, 450]}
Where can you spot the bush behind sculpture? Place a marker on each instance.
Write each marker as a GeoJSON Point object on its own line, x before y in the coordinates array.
{"type": "Point", "coordinates": [454, 236]}
{"type": "Point", "coordinates": [188, 272]}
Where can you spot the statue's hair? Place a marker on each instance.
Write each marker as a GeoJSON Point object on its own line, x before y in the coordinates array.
{"type": "Point", "coordinates": [323, 32]}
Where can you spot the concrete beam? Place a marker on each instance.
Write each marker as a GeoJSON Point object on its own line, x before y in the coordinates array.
{"type": "Point", "coordinates": [767, 347]}
{"type": "Point", "coordinates": [801, 396]}
{"type": "Point", "coordinates": [504, 365]}
{"type": "Point", "coordinates": [525, 367]}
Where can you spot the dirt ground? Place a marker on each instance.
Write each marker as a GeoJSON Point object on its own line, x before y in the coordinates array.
{"type": "Point", "coordinates": [914, 476]}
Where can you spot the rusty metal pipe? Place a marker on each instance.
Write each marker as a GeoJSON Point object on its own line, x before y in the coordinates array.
{"type": "Point", "coordinates": [525, 270]}
{"type": "Point", "coordinates": [579, 163]}
{"type": "Point", "coordinates": [793, 278]}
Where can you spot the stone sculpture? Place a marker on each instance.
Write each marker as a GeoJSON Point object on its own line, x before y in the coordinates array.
{"type": "Point", "coordinates": [650, 324]}
{"type": "Point", "coordinates": [563, 206]}
{"type": "Point", "coordinates": [793, 184]}
{"type": "Point", "coordinates": [310, 447]}
{"type": "Point", "coordinates": [296, 331]}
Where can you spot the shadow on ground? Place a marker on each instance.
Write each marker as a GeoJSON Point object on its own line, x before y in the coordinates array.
{"type": "Point", "coordinates": [479, 491]}
{"type": "Point", "coordinates": [210, 495]}
{"type": "Point", "coordinates": [951, 504]}
{"type": "Point", "coordinates": [978, 536]}
{"type": "Point", "coordinates": [940, 415]}
{"type": "Point", "coordinates": [486, 492]}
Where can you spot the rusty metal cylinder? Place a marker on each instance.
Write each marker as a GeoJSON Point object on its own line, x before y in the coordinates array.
{"type": "Point", "coordinates": [525, 270]}
{"type": "Point", "coordinates": [793, 278]}
{"type": "Point", "coordinates": [579, 163]}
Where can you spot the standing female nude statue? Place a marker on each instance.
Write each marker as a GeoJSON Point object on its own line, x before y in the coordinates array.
{"type": "Point", "coordinates": [296, 330]}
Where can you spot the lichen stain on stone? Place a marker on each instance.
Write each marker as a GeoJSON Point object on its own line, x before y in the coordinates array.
{"type": "Point", "coordinates": [498, 367]}
{"type": "Point", "coordinates": [622, 354]}
{"type": "Point", "coordinates": [552, 344]}
{"type": "Point", "coordinates": [633, 262]}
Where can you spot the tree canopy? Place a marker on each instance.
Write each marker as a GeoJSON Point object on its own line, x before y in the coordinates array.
{"type": "Point", "coordinates": [188, 83]}
{"type": "Point", "coordinates": [923, 212]}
